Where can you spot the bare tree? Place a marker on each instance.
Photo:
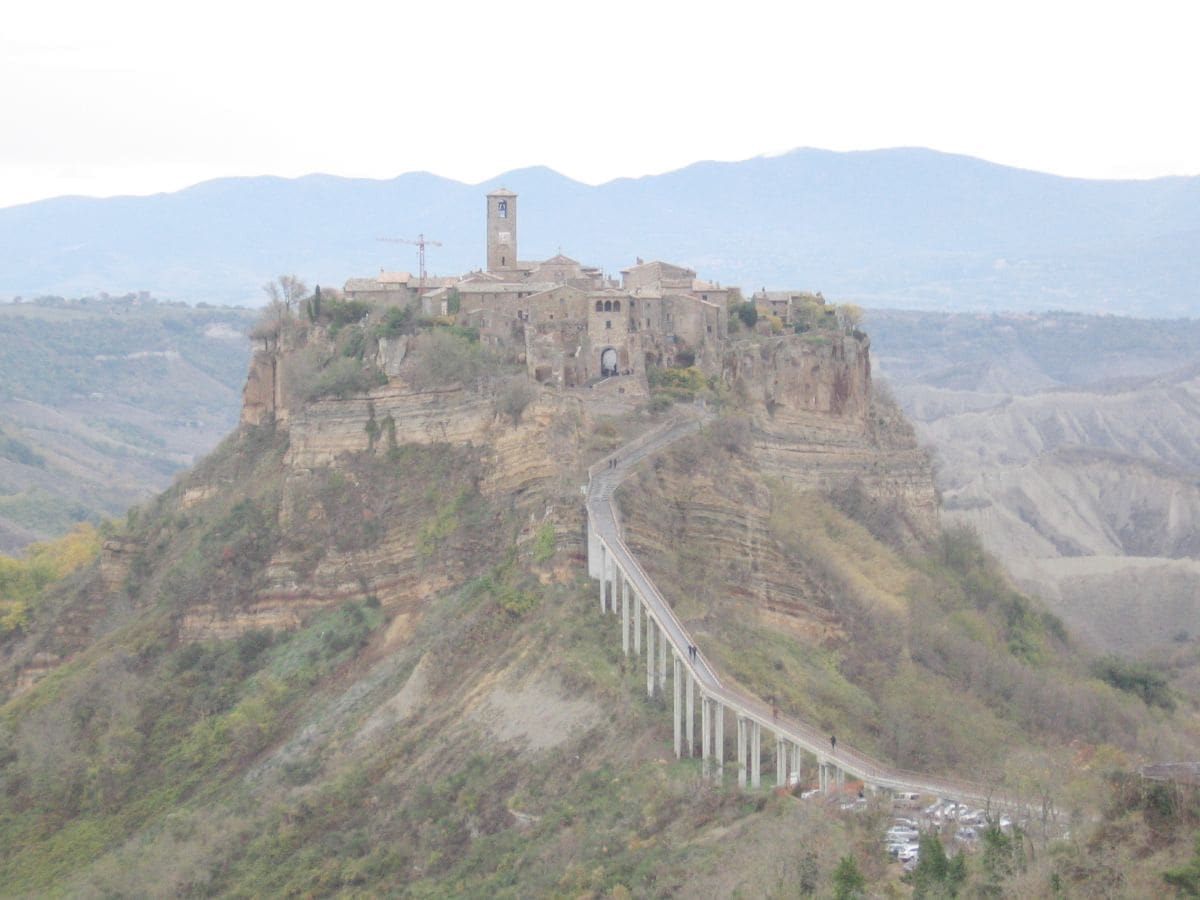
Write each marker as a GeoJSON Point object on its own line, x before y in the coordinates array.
{"type": "Point", "coordinates": [287, 290]}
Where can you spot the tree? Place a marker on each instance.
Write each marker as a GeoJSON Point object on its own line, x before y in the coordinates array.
{"type": "Point", "coordinates": [1186, 878]}
{"type": "Point", "coordinates": [287, 290]}
{"type": "Point", "coordinates": [748, 313]}
{"type": "Point", "coordinates": [268, 328]}
{"type": "Point", "coordinates": [850, 314]}
{"type": "Point", "coordinates": [314, 305]}
{"type": "Point", "coordinates": [848, 881]}
{"type": "Point", "coordinates": [935, 874]}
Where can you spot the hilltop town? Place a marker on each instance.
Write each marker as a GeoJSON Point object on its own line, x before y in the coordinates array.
{"type": "Point", "coordinates": [578, 325]}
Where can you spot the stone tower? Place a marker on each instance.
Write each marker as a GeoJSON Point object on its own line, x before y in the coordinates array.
{"type": "Point", "coordinates": [501, 230]}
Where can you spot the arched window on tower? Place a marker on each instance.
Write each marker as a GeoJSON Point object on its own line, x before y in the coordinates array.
{"type": "Point", "coordinates": [608, 306]}
{"type": "Point", "coordinates": [502, 209]}
{"type": "Point", "coordinates": [616, 306]}
{"type": "Point", "coordinates": [599, 306]}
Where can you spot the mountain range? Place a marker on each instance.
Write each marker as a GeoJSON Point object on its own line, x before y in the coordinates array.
{"type": "Point", "coordinates": [887, 228]}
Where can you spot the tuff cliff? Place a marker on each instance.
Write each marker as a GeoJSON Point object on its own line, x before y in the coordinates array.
{"type": "Point", "coordinates": [811, 438]}
{"type": "Point", "coordinates": [311, 503]}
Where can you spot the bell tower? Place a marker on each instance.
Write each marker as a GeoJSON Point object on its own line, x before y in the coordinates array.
{"type": "Point", "coordinates": [501, 230]}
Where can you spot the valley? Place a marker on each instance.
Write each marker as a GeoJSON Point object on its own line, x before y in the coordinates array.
{"type": "Point", "coordinates": [104, 401]}
{"type": "Point", "coordinates": [1070, 443]}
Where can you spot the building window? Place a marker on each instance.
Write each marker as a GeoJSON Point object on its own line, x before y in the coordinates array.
{"type": "Point", "coordinates": [616, 306]}
{"type": "Point", "coordinates": [502, 209]}
{"type": "Point", "coordinates": [608, 306]}
{"type": "Point", "coordinates": [608, 323]}
{"type": "Point", "coordinates": [599, 306]}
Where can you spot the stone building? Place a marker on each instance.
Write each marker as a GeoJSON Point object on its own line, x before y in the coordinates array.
{"type": "Point", "coordinates": [576, 326]}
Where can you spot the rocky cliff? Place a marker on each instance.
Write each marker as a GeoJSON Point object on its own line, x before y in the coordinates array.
{"type": "Point", "coordinates": [329, 512]}
{"type": "Point", "coordinates": [819, 423]}
{"type": "Point", "coordinates": [707, 518]}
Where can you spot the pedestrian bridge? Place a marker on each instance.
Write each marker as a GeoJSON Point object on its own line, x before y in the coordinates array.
{"type": "Point", "coordinates": [649, 627]}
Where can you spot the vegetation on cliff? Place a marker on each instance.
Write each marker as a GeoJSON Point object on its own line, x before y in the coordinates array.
{"type": "Point", "coordinates": [379, 669]}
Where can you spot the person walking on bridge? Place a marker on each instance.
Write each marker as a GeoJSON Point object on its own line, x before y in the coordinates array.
{"type": "Point", "coordinates": [833, 743]}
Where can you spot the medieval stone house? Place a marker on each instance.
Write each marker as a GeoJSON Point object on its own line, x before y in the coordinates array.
{"type": "Point", "coordinates": [576, 325]}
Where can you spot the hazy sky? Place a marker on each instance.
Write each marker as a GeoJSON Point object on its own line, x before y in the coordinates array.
{"type": "Point", "coordinates": [138, 97]}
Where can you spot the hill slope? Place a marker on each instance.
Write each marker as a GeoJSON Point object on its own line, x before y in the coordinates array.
{"type": "Point", "coordinates": [890, 227]}
{"type": "Point", "coordinates": [353, 652]}
{"type": "Point", "coordinates": [102, 403]}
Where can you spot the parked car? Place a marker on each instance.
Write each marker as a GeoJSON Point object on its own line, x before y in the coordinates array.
{"type": "Point", "coordinates": [909, 852]}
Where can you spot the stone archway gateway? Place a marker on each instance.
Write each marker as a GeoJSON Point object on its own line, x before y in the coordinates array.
{"type": "Point", "coordinates": [608, 362]}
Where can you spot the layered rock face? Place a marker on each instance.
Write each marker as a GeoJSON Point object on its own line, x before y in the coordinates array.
{"type": "Point", "coordinates": [703, 520]}
{"type": "Point", "coordinates": [506, 459]}
{"type": "Point", "coordinates": [810, 419]}
{"type": "Point", "coordinates": [818, 424]}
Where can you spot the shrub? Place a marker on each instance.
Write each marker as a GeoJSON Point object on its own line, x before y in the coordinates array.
{"type": "Point", "coordinates": [514, 395]}
{"type": "Point", "coordinates": [448, 356]}
{"type": "Point", "coordinates": [346, 312]}
{"type": "Point", "coordinates": [397, 320]}
{"type": "Point", "coordinates": [308, 376]}
{"type": "Point", "coordinates": [544, 544]}
{"type": "Point", "coordinates": [848, 881]}
{"type": "Point", "coordinates": [1135, 678]}
{"type": "Point", "coordinates": [746, 313]}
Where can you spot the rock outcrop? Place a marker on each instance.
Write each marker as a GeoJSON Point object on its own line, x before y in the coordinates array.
{"type": "Point", "coordinates": [818, 423]}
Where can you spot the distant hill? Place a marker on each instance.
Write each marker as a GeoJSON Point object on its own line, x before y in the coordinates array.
{"type": "Point", "coordinates": [1072, 444]}
{"type": "Point", "coordinates": [102, 403]}
{"type": "Point", "coordinates": [893, 228]}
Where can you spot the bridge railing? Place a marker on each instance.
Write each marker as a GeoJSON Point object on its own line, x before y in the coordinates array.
{"type": "Point", "coordinates": [849, 760]}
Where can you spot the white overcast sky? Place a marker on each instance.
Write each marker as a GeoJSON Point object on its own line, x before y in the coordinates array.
{"type": "Point", "coordinates": [138, 97]}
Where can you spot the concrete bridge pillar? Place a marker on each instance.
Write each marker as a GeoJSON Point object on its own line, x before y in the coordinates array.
{"type": "Point", "coordinates": [603, 578]}
{"type": "Point", "coordinates": [719, 741]}
{"type": "Point", "coordinates": [613, 574]}
{"type": "Point", "coordinates": [662, 660]}
{"type": "Point", "coordinates": [637, 626]}
{"type": "Point", "coordinates": [688, 707]}
{"type": "Point", "coordinates": [705, 735]}
{"type": "Point", "coordinates": [677, 692]}
{"type": "Point", "coordinates": [593, 550]}
{"type": "Point", "coordinates": [741, 752]}
{"type": "Point", "coordinates": [780, 761]}
{"type": "Point", "coordinates": [649, 657]}
{"type": "Point", "coordinates": [625, 614]}
{"type": "Point", "coordinates": [755, 755]}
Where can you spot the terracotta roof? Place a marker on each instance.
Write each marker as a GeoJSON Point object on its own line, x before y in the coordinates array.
{"type": "Point", "coordinates": [393, 278]}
